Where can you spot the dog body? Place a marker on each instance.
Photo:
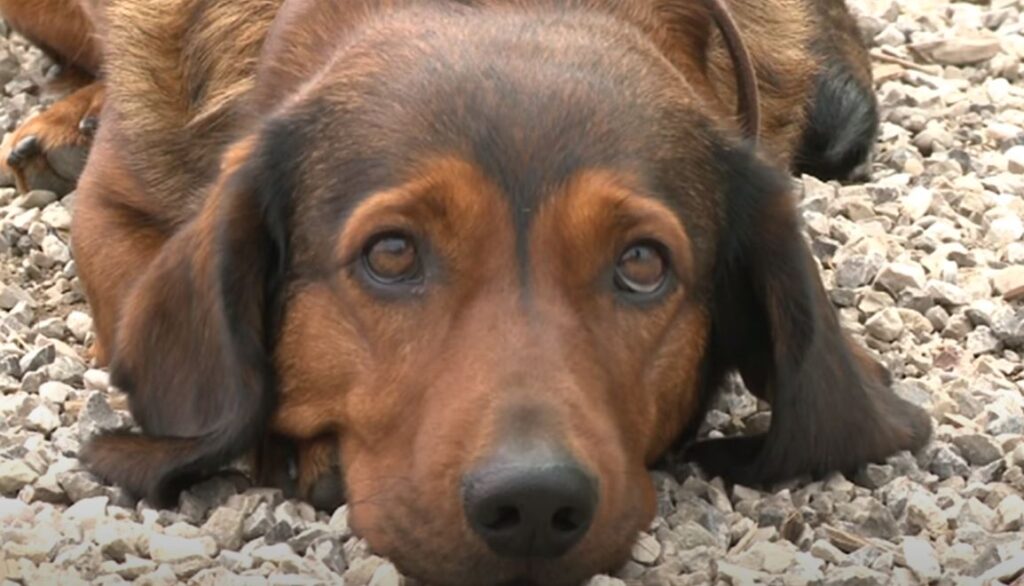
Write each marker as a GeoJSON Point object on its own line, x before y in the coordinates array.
{"type": "Point", "coordinates": [498, 254]}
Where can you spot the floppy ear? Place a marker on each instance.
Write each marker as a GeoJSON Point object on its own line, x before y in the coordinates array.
{"type": "Point", "coordinates": [194, 342]}
{"type": "Point", "coordinates": [832, 406]}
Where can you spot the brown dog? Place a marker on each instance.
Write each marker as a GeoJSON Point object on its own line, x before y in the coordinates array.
{"type": "Point", "coordinates": [499, 254]}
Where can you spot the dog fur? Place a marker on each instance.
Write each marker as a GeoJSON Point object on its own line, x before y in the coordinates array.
{"type": "Point", "coordinates": [249, 151]}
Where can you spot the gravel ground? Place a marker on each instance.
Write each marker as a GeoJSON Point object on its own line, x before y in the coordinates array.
{"type": "Point", "coordinates": [919, 261]}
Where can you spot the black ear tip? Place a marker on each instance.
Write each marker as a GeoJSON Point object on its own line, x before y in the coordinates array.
{"type": "Point", "coordinates": [920, 424]}
{"type": "Point", "coordinates": [135, 463]}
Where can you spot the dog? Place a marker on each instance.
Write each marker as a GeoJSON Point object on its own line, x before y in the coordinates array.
{"type": "Point", "coordinates": [480, 262]}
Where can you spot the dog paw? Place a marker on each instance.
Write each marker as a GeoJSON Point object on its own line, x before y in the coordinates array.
{"type": "Point", "coordinates": [49, 150]}
{"type": "Point", "coordinates": [38, 156]}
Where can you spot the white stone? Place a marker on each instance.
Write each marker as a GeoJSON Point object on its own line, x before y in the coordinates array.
{"type": "Point", "coordinates": [1015, 159]}
{"type": "Point", "coordinates": [646, 549]}
{"type": "Point", "coordinates": [87, 512]}
{"type": "Point", "coordinates": [885, 325]}
{"type": "Point", "coordinates": [15, 474]}
{"type": "Point", "coordinates": [169, 549]}
{"type": "Point", "coordinates": [80, 324]}
{"type": "Point", "coordinates": [921, 558]}
{"type": "Point", "coordinates": [917, 203]}
{"type": "Point", "coordinates": [43, 419]}
{"type": "Point", "coordinates": [897, 276]}
{"type": "Point", "coordinates": [1011, 513]}
{"type": "Point", "coordinates": [1008, 279]}
{"type": "Point", "coordinates": [1004, 230]}
{"type": "Point", "coordinates": [54, 391]}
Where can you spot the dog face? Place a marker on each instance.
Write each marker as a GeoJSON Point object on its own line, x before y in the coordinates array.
{"type": "Point", "coordinates": [509, 311]}
{"type": "Point", "coordinates": [505, 271]}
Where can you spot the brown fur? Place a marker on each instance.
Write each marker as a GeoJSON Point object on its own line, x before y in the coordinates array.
{"type": "Point", "coordinates": [235, 185]}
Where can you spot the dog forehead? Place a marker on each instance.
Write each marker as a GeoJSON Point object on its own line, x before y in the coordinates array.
{"type": "Point", "coordinates": [528, 119]}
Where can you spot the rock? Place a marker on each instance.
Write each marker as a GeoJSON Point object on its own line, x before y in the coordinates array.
{"type": "Point", "coordinates": [1011, 569]}
{"type": "Point", "coordinates": [37, 545]}
{"type": "Point", "coordinates": [15, 474]}
{"type": "Point", "coordinates": [965, 49]}
{"type": "Point", "coordinates": [857, 270]}
{"type": "Point", "coordinates": [55, 249]}
{"type": "Point", "coordinates": [56, 216]}
{"type": "Point", "coordinates": [55, 392]}
{"type": "Point", "coordinates": [134, 567]}
{"type": "Point", "coordinates": [1008, 279]}
{"type": "Point", "coordinates": [331, 552]}
{"type": "Point", "coordinates": [225, 527]}
{"type": "Point", "coordinates": [1015, 159]}
{"type": "Point", "coordinates": [38, 358]}
{"type": "Point", "coordinates": [1005, 229]}
{"type": "Point", "coordinates": [97, 416]}
{"type": "Point", "coordinates": [361, 571]}
{"type": "Point", "coordinates": [885, 325]}
{"type": "Point", "coordinates": [738, 575]}
{"type": "Point", "coordinates": [163, 576]}
{"type": "Point", "coordinates": [168, 549]}
{"type": "Point", "coordinates": [977, 449]}
{"type": "Point", "coordinates": [896, 277]}
{"type": "Point", "coordinates": [1011, 513]}
{"type": "Point", "coordinates": [825, 551]}
{"type": "Point", "coordinates": [80, 324]}
{"type": "Point", "coordinates": [43, 419]}
{"type": "Point", "coordinates": [605, 581]}
{"type": "Point", "coordinates": [386, 575]}
{"type": "Point", "coordinates": [87, 511]}
{"type": "Point", "coordinates": [854, 576]}
{"type": "Point", "coordinates": [876, 475]}
{"type": "Point", "coordinates": [917, 203]}
{"type": "Point", "coordinates": [13, 511]}
{"type": "Point", "coordinates": [11, 295]}
{"type": "Point", "coordinates": [119, 539]}
{"type": "Point", "coordinates": [234, 561]}
{"type": "Point", "coordinates": [947, 294]}
{"type": "Point", "coordinates": [80, 484]}
{"type": "Point", "coordinates": [37, 198]}
{"type": "Point", "coordinates": [301, 542]}
{"type": "Point", "coordinates": [945, 463]}
{"type": "Point", "coordinates": [280, 555]}
{"type": "Point", "coordinates": [978, 513]}
{"type": "Point", "coordinates": [646, 549]}
{"type": "Point", "coordinates": [922, 559]}
{"type": "Point", "coordinates": [982, 341]}
{"type": "Point", "coordinates": [339, 522]}
{"type": "Point", "coordinates": [923, 512]}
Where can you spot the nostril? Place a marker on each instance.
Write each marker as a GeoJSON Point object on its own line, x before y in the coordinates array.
{"type": "Point", "coordinates": [503, 518]}
{"type": "Point", "coordinates": [530, 509]}
{"type": "Point", "coordinates": [566, 520]}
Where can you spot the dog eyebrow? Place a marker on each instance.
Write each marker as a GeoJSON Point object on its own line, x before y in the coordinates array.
{"type": "Point", "coordinates": [748, 105]}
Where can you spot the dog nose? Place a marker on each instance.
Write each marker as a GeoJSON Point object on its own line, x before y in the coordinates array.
{"type": "Point", "coordinates": [530, 509]}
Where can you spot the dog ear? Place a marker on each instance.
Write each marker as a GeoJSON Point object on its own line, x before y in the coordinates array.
{"type": "Point", "coordinates": [193, 347]}
{"type": "Point", "coordinates": [832, 406]}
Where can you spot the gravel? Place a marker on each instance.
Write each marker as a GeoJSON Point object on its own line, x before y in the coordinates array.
{"type": "Point", "coordinates": [918, 261]}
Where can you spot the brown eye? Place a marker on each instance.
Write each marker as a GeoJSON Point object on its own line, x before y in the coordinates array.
{"type": "Point", "coordinates": [641, 269]}
{"type": "Point", "coordinates": [392, 259]}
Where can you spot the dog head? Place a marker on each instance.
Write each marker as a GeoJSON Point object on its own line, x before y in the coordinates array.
{"type": "Point", "coordinates": [504, 258]}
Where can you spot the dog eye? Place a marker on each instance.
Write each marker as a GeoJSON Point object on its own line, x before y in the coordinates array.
{"type": "Point", "coordinates": [642, 269]}
{"type": "Point", "coordinates": [392, 258]}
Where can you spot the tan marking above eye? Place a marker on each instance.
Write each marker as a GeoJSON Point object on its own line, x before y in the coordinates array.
{"type": "Point", "coordinates": [392, 258]}
{"type": "Point", "coordinates": [642, 268]}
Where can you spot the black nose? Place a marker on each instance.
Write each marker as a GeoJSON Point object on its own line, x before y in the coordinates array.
{"type": "Point", "coordinates": [530, 509]}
